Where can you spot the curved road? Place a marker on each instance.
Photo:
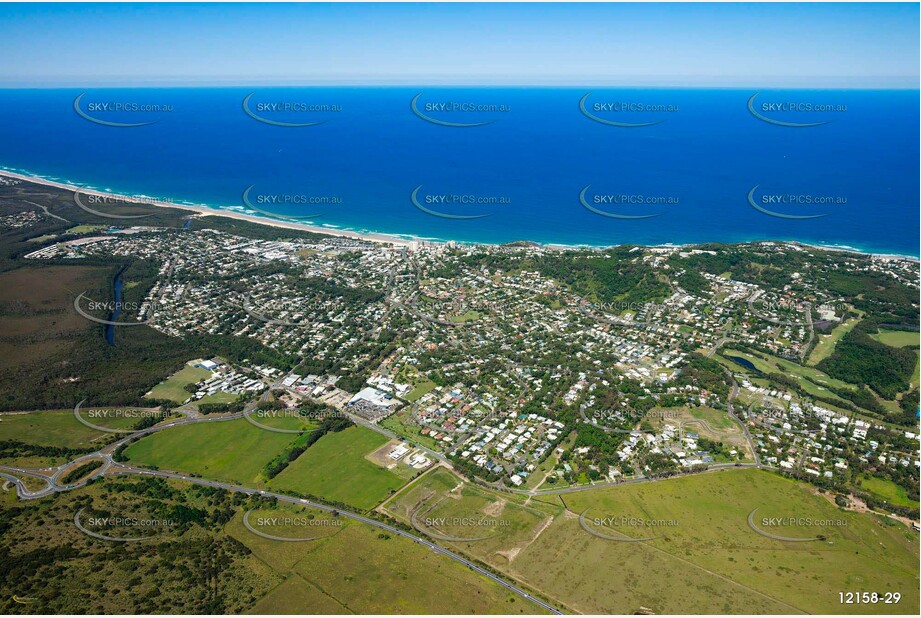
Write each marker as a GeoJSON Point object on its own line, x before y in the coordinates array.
{"type": "Point", "coordinates": [112, 467]}
{"type": "Point", "coordinates": [123, 469]}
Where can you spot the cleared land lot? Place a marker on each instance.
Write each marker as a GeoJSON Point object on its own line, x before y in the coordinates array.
{"type": "Point", "coordinates": [335, 468]}
{"type": "Point", "coordinates": [885, 489]}
{"type": "Point", "coordinates": [419, 390]}
{"type": "Point", "coordinates": [708, 423]}
{"type": "Point", "coordinates": [707, 560]}
{"type": "Point", "coordinates": [446, 506]}
{"type": "Point", "coordinates": [56, 428]}
{"type": "Point", "coordinates": [711, 561]}
{"type": "Point", "coordinates": [401, 424]}
{"type": "Point", "coordinates": [233, 451]}
{"type": "Point", "coordinates": [359, 569]}
{"type": "Point", "coordinates": [173, 388]}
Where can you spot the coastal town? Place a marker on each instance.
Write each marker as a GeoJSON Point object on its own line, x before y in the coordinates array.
{"type": "Point", "coordinates": [460, 308]}
{"type": "Point", "coordinates": [502, 369]}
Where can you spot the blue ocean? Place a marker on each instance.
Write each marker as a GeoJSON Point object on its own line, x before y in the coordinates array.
{"type": "Point", "coordinates": [580, 167]}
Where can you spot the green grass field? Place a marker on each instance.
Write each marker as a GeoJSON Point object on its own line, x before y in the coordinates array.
{"type": "Point", "coordinates": [335, 468]}
{"type": "Point", "coordinates": [282, 419]}
{"type": "Point", "coordinates": [359, 570]}
{"type": "Point", "coordinates": [402, 425]}
{"type": "Point", "coordinates": [885, 489]}
{"type": "Point", "coordinates": [811, 380]}
{"type": "Point", "coordinates": [715, 418]}
{"type": "Point", "coordinates": [173, 388]}
{"type": "Point", "coordinates": [897, 338]}
{"type": "Point", "coordinates": [467, 316]}
{"type": "Point", "coordinates": [826, 343]}
{"type": "Point", "coordinates": [42, 238]}
{"type": "Point", "coordinates": [57, 428]}
{"type": "Point", "coordinates": [85, 229]}
{"type": "Point", "coordinates": [233, 451]}
{"type": "Point", "coordinates": [711, 561]}
{"type": "Point", "coordinates": [420, 389]}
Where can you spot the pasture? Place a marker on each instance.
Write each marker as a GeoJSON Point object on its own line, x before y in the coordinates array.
{"type": "Point", "coordinates": [335, 468]}
{"type": "Point", "coordinates": [233, 451]}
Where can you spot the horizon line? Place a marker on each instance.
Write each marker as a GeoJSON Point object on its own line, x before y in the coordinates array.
{"type": "Point", "coordinates": [888, 83]}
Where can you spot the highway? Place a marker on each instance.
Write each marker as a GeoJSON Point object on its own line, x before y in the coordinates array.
{"type": "Point", "coordinates": [123, 469]}
{"type": "Point", "coordinates": [110, 467]}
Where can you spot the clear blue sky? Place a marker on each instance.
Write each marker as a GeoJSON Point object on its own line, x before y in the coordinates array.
{"type": "Point", "coordinates": [667, 44]}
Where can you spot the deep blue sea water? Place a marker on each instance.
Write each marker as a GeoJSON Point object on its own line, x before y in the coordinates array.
{"type": "Point", "coordinates": [529, 163]}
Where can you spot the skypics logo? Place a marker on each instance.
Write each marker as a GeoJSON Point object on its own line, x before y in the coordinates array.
{"type": "Point", "coordinates": [456, 306]}
{"type": "Point", "coordinates": [285, 523]}
{"type": "Point", "coordinates": [780, 421]}
{"type": "Point", "coordinates": [118, 109]}
{"type": "Point", "coordinates": [790, 109]}
{"type": "Point", "coordinates": [288, 311]}
{"type": "Point", "coordinates": [273, 204]}
{"type": "Point", "coordinates": [791, 522]}
{"type": "Point", "coordinates": [281, 113]}
{"type": "Point", "coordinates": [430, 525]}
{"type": "Point", "coordinates": [114, 413]}
{"type": "Point", "coordinates": [598, 418]}
{"type": "Point", "coordinates": [114, 309]}
{"type": "Point", "coordinates": [457, 110]}
{"type": "Point", "coordinates": [121, 522]}
{"type": "Point", "coordinates": [780, 311]}
{"type": "Point", "coordinates": [286, 416]}
{"type": "Point", "coordinates": [455, 200]}
{"type": "Point", "coordinates": [95, 199]}
{"type": "Point", "coordinates": [623, 522]}
{"type": "Point", "coordinates": [603, 112]}
{"type": "Point", "coordinates": [592, 203]}
{"type": "Point", "coordinates": [770, 203]}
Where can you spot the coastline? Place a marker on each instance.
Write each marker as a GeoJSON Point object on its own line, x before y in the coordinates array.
{"type": "Point", "coordinates": [384, 238]}
{"type": "Point", "coordinates": [203, 210]}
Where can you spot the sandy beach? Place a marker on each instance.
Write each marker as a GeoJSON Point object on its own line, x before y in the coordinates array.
{"type": "Point", "coordinates": [206, 211]}
{"type": "Point", "coordinates": [220, 212]}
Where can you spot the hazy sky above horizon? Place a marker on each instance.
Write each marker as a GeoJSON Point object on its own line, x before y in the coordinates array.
{"type": "Point", "coordinates": [842, 44]}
